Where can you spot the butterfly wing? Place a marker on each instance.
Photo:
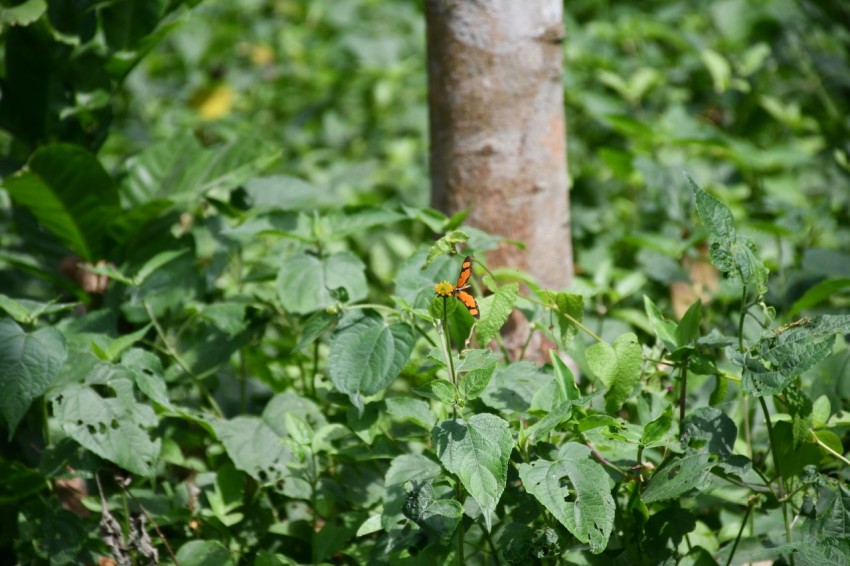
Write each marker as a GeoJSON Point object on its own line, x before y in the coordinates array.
{"type": "Point", "coordinates": [469, 302]}
{"type": "Point", "coordinates": [465, 273]}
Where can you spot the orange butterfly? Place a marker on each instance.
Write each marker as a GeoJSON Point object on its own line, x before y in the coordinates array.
{"type": "Point", "coordinates": [459, 290]}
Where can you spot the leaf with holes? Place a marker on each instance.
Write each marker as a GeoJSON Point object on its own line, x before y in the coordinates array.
{"type": "Point", "coordinates": [116, 428]}
{"type": "Point", "coordinates": [255, 448]}
{"type": "Point", "coordinates": [678, 476]}
{"type": "Point", "coordinates": [576, 490]}
{"type": "Point", "coordinates": [28, 365]}
{"type": "Point", "coordinates": [477, 451]}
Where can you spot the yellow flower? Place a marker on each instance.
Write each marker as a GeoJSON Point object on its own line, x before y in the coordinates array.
{"type": "Point", "coordinates": [443, 288]}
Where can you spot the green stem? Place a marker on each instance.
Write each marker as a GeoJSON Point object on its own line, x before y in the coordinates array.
{"type": "Point", "coordinates": [171, 351]}
{"type": "Point", "coordinates": [738, 538]}
{"type": "Point", "coordinates": [781, 487]}
{"type": "Point", "coordinates": [443, 328]}
{"type": "Point", "coordinates": [683, 393]}
{"type": "Point", "coordinates": [315, 368]}
{"type": "Point", "coordinates": [459, 493]}
{"type": "Point", "coordinates": [46, 419]}
{"type": "Point", "coordinates": [243, 383]}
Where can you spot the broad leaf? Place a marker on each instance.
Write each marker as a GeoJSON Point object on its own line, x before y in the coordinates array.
{"type": "Point", "coordinates": [306, 283]}
{"type": "Point", "coordinates": [679, 475]}
{"type": "Point", "coordinates": [688, 330]}
{"type": "Point", "coordinates": [439, 516]}
{"type": "Point", "coordinates": [205, 553]}
{"type": "Point", "coordinates": [117, 428]}
{"type": "Point", "coordinates": [576, 490]}
{"type": "Point", "coordinates": [495, 311]}
{"type": "Point", "coordinates": [68, 191]}
{"type": "Point", "coordinates": [665, 330]}
{"type": "Point", "coordinates": [618, 367]}
{"type": "Point", "coordinates": [28, 365]}
{"type": "Point", "coordinates": [367, 355]}
{"type": "Point", "coordinates": [710, 429]}
{"type": "Point", "coordinates": [512, 387]}
{"type": "Point", "coordinates": [477, 451]}
{"type": "Point", "coordinates": [254, 448]}
{"type": "Point", "coordinates": [734, 255]}
{"type": "Point", "coordinates": [777, 359]}
{"type": "Point", "coordinates": [657, 429]}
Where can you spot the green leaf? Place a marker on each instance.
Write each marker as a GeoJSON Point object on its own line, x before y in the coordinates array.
{"type": "Point", "coordinates": [115, 428]}
{"type": "Point", "coordinates": [254, 448]}
{"type": "Point", "coordinates": [477, 452]}
{"type": "Point", "coordinates": [823, 552]}
{"type": "Point", "coordinates": [414, 468]}
{"type": "Point", "coordinates": [708, 428]}
{"type": "Point", "coordinates": [576, 490]}
{"type": "Point", "coordinates": [777, 359]}
{"type": "Point", "coordinates": [123, 343]}
{"type": "Point", "coordinates": [439, 390]}
{"type": "Point", "coordinates": [547, 424]}
{"type": "Point", "coordinates": [833, 518]}
{"type": "Point", "coordinates": [568, 308]}
{"type": "Point", "coordinates": [495, 310]}
{"type": "Point", "coordinates": [688, 330]}
{"type": "Point", "coordinates": [475, 372]}
{"type": "Point", "coordinates": [473, 383]}
{"type": "Point", "coordinates": [512, 387]}
{"type": "Point", "coordinates": [618, 367]}
{"type": "Point", "coordinates": [29, 363]}
{"type": "Point", "coordinates": [204, 553]}
{"type": "Point", "coordinates": [68, 191]}
{"type": "Point", "coordinates": [821, 410]}
{"type": "Point", "coordinates": [306, 283]}
{"type": "Point", "coordinates": [734, 255]}
{"type": "Point", "coordinates": [147, 375]}
{"type": "Point", "coordinates": [818, 293]}
{"type": "Point", "coordinates": [665, 330]}
{"type": "Point", "coordinates": [414, 410]}
{"type": "Point", "coordinates": [179, 169]}
{"type": "Point", "coordinates": [126, 22]}
{"type": "Point", "coordinates": [564, 379]}
{"type": "Point", "coordinates": [24, 13]}
{"type": "Point", "coordinates": [351, 221]}
{"type": "Point", "coordinates": [679, 475]}
{"type": "Point", "coordinates": [445, 245]}
{"type": "Point", "coordinates": [439, 516]}
{"type": "Point", "coordinates": [721, 387]}
{"type": "Point", "coordinates": [657, 429]}
{"type": "Point", "coordinates": [319, 323]}
{"type": "Point", "coordinates": [366, 355]}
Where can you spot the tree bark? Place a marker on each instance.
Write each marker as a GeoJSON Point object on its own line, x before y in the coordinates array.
{"type": "Point", "coordinates": [498, 137]}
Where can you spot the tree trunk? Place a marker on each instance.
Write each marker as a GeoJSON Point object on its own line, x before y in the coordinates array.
{"type": "Point", "coordinates": [498, 139]}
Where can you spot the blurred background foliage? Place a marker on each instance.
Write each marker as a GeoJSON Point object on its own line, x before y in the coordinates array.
{"type": "Point", "coordinates": [748, 96]}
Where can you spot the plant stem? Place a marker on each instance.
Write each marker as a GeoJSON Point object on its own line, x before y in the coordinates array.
{"type": "Point", "coordinates": [823, 445]}
{"type": "Point", "coordinates": [738, 538]}
{"type": "Point", "coordinates": [315, 368]}
{"type": "Point", "coordinates": [243, 382]}
{"type": "Point", "coordinates": [443, 328]}
{"type": "Point", "coordinates": [459, 494]}
{"type": "Point", "coordinates": [171, 351]}
{"type": "Point", "coordinates": [683, 393]}
{"type": "Point", "coordinates": [781, 487]}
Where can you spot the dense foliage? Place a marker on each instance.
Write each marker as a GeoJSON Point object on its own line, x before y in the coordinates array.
{"type": "Point", "coordinates": [221, 341]}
